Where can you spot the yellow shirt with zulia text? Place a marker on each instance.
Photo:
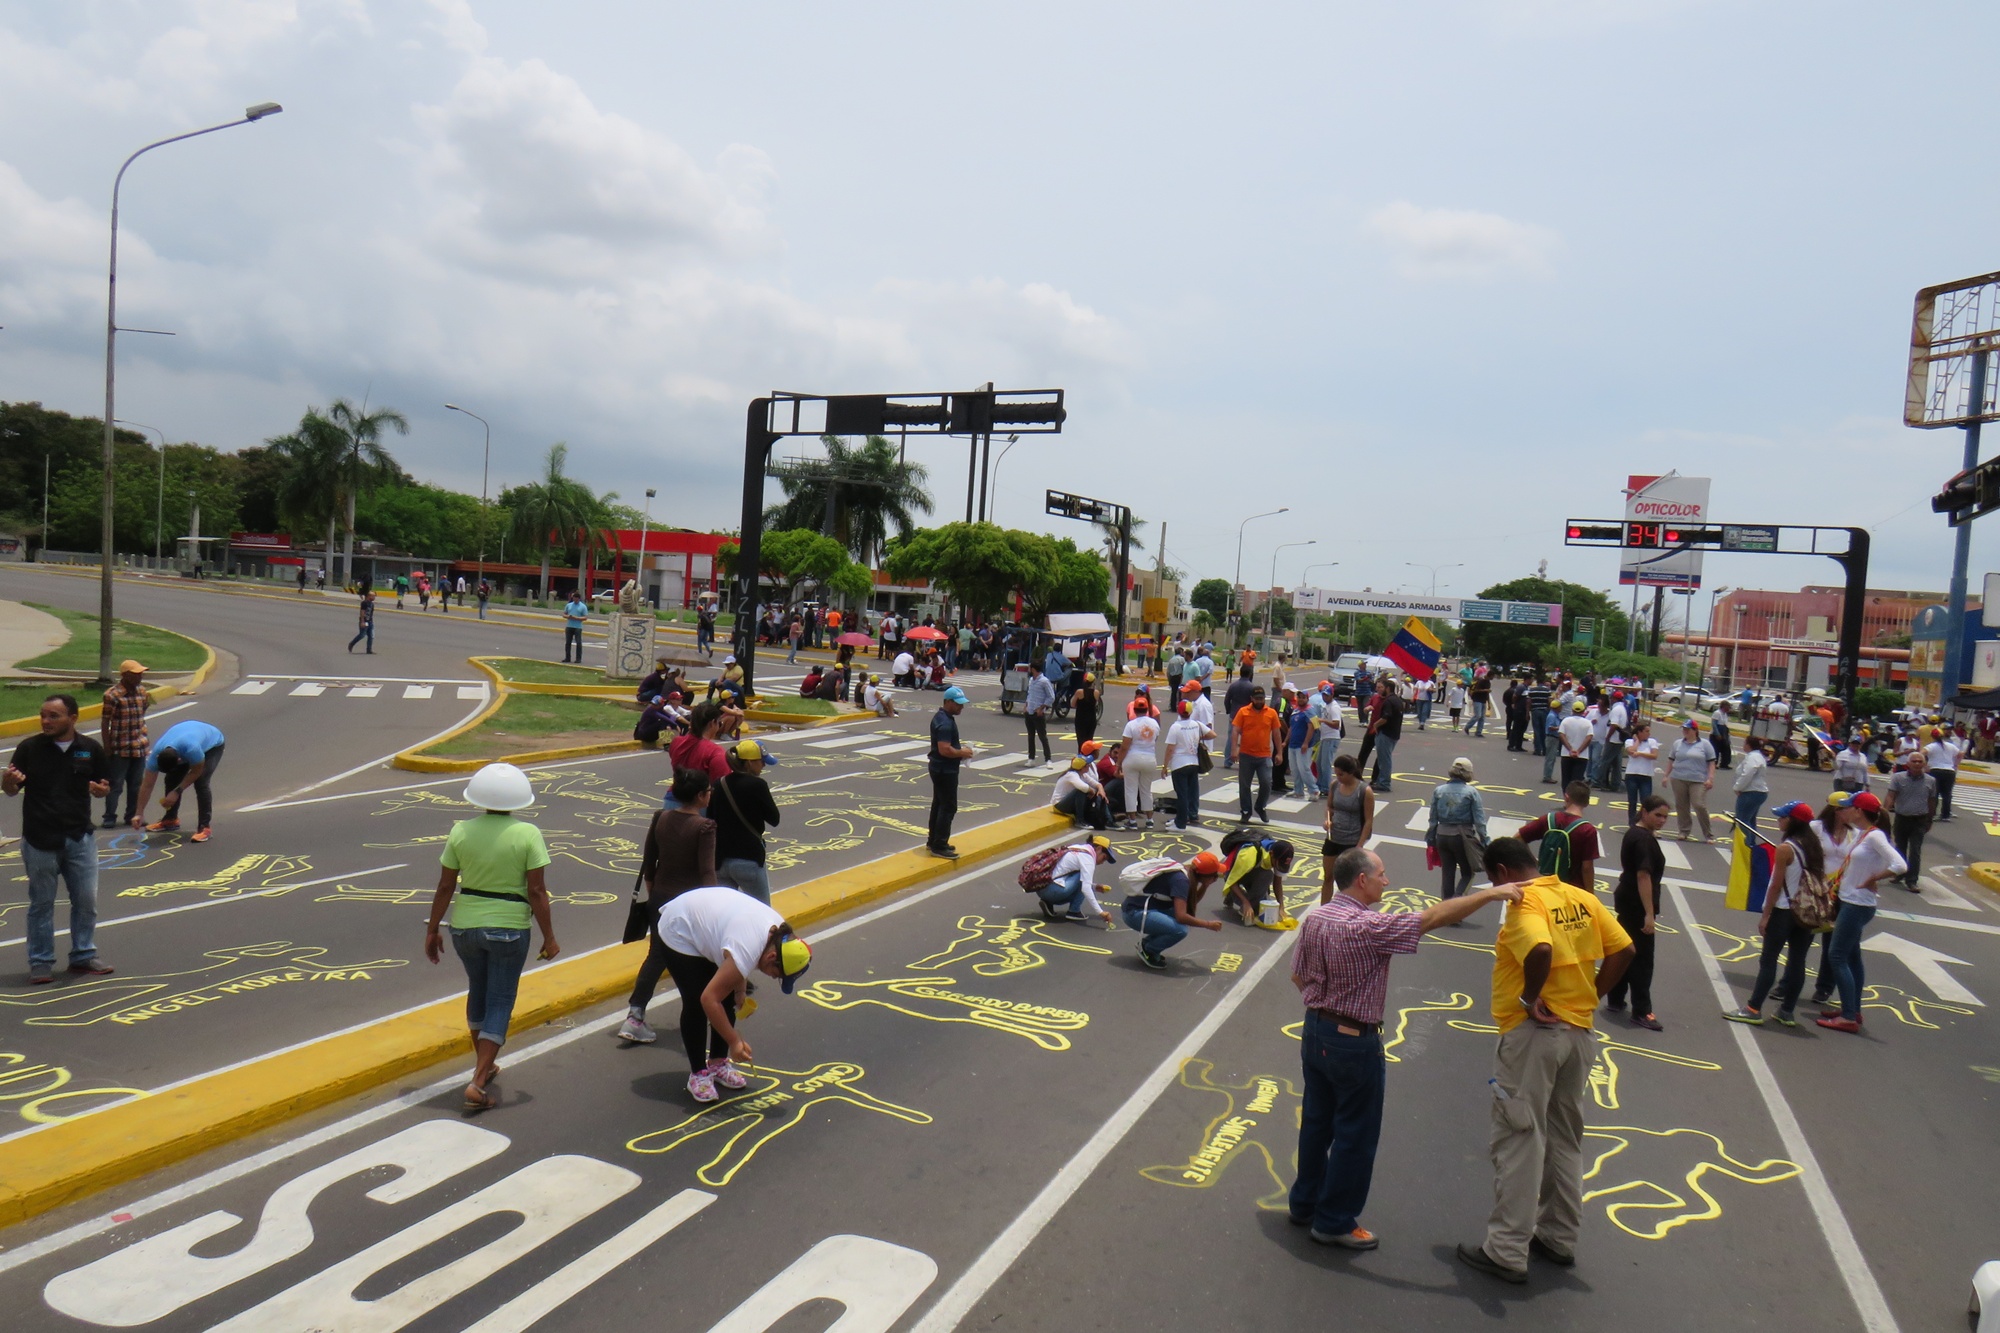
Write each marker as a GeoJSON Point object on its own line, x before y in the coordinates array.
{"type": "Point", "coordinates": [1580, 932]}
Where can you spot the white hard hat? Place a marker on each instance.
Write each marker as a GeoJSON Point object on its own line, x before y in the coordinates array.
{"type": "Point", "coordinates": [499, 787]}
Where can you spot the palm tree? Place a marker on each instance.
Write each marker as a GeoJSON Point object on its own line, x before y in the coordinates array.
{"type": "Point", "coordinates": [855, 495]}
{"type": "Point", "coordinates": [309, 488]}
{"type": "Point", "coordinates": [554, 508]}
{"type": "Point", "coordinates": [364, 463]}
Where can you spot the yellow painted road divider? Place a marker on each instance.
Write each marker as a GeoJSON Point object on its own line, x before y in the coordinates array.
{"type": "Point", "coordinates": [71, 1160]}
{"type": "Point", "coordinates": [21, 726]}
{"type": "Point", "coordinates": [1986, 874]}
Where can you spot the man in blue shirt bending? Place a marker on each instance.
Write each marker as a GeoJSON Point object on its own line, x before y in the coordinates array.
{"type": "Point", "coordinates": [187, 755]}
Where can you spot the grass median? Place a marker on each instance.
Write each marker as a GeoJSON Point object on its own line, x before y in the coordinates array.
{"type": "Point", "coordinates": [534, 671]}
{"type": "Point", "coordinates": [159, 649]}
{"type": "Point", "coordinates": [526, 722]}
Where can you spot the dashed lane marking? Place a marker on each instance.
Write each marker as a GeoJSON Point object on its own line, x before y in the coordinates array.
{"type": "Point", "coordinates": [416, 691]}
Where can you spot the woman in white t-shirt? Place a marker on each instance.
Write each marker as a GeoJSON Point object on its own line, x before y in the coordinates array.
{"type": "Point", "coordinates": [1642, 753]}
{"type": "Point", "coordinates": [1183, 744]}
{"type": "Point", "coordinates": [1871, 858]}
{"type": "Point", "coordinates": [1080, 795]}
{"type": "Point", "coordinates": [1139, 761]}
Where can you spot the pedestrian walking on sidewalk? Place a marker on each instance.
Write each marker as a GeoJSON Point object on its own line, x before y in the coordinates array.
{"type": "Point", "coordinates": [1341, 969]}
{"type": "Point", "coordinates": [367, 624]}
{"type": "Point", "coordinates": [1642, 753]}
{"type": "Point", "coordinates": [1234, 700]}
{"type": "Point", "coordinates": [493, 880]}
{"type": "Point", "coordinates": [123, 732]}
{"type": "Point", "coordinates": [302, 579]}
{"type": "Point", "coordinates": [59, 769]}
{"type": "Point", "coordinates": [1184, 749]}
{"type": "Point", "coordinates": [1941, 758]}
{"type": "Point", "coordinates": [1084, 707]}
{"type": "Point", "coordinates": [1387, 733]}
{"type": "Point", "coordinates": [1636, 901]}
{"type": "Point", "coordinates": [402, 589]}
{"type": "Point", "coordinates": [1718, 732]}
{"type": "Point", "coordinates": [1558, 953]}
{"type": "Point", "coordinates": [1871, 859]}
{"type": "Point", "coordinates": [575, 612]}
{"type": "Point", "coordinates": [1139, 762]}
{"type": "Point", "coordinates": [946, 754]}
{"type": "Point", "coordinates": [187, 755]}
{"type": "Point", "coordinates": [1482, 695]}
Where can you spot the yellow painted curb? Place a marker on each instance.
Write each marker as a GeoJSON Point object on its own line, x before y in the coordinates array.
{"type": "Point", "coordinates": [425, 763]}
{"type": "Point", "coordinates": [68, 1161]}
{"type": "Point", "coordinates": [1986, 874]}
{"type": "Point", "coordinates": [575, 691]}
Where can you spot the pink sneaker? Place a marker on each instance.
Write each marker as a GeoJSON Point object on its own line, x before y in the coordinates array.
{"type": "Point", "coordinates": [702, 1085]}
{"type": "Point", "coordinates": [727, 1074]}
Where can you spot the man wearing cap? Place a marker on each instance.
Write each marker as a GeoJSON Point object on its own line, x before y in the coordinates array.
{"type": "Point", "coordinates": [946, 753]}
{"type": "Point", "coordinates": [1574, 736]}
{"type": "Point", "coordinates": [123, 732]}
{"type": "Point", "coordinates": [1070, 886]}
{"type": "Point", "coordinates": [1163, 910]}
{"type": "Point", "coordinates": [1041, 699]}
{"type": "Point", "coordinates": [187, 755]}
{"type": "Point", "coordinates": [1200, 707]}
{"type": "Point", "coordinates": [742, 809]}
{"type": "Point", "coordinates": [1341, 969]}
{"type": "Point", "coordinates": [1326, 710]}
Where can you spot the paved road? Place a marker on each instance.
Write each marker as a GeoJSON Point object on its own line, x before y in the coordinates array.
{"type": "Point", "coordinates": [973, 1120]}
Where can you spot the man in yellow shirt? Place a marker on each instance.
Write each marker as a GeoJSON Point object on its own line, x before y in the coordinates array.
{"type": "Point", "coordinates": [1559, 951]}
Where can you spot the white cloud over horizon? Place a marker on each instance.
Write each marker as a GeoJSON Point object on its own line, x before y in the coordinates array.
{"type": "Point", "coordinates": [1458, 243]}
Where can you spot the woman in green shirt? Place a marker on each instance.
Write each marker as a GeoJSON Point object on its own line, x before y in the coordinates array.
{"type": "Point", "coordinates": [493, 881]}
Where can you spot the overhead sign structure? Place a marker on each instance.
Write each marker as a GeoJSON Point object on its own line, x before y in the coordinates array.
{"type": "Point", "coordinates": [1955, 328]}
{"type": "Point", "coordinates": [1759, 540]}
{"type": "Point", "coordinates": [1654, 507]}
{"type": "Point", "coordinates": [1119, 517]}
{"type": "Point", "coordinates": [1448, 608]}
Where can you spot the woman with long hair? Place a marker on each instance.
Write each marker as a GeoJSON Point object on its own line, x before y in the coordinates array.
{"type": "Point", "coordinates": [1872, 859]}
{"type": "Point", "coordinates": [1800, 854]}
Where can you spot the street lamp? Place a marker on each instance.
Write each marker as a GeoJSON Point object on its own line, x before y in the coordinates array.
{"type": "Point", "coordinates": [1435, 571]}
{"type": "Point", "coordinates": [160, 500]}
{"type": "Point", "coordinates": [1235, 582]}
{"type": "Point", "coordinates": [994, 502]}
{"type": "Point", "coordinates": [257, 112]}
{"type": "Point", "coordinates": [645, 524]}
{"type": "Point", "coordinates": [1708, 658]}
{"type": "Point", "coordinates": [485, 466]}
{"type": "Point", "coordinates": [1274, 577]}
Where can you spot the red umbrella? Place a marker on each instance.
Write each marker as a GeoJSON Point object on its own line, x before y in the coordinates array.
{"type": "Point", "coordinates": [926, 632]}
{"type": "Point", "coordinates": [854, 640]}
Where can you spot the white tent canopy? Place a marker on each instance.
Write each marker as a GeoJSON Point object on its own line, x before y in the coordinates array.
{"type": "Point", "coordinates": [1079, 625]}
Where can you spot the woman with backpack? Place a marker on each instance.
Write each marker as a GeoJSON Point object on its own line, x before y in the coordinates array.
{"type": "Point", "coordinates": [1254, 869]}
{"type": "Point", "coordinates": [1798, 873]}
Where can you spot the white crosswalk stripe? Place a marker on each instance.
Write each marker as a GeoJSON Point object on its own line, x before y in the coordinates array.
{"type": "Point", "coordinates": [309, 689]}
{"type": "Point", "coordinates": [1289, 805]}
{"type": "Point", "coordinates": [1006, 760]}
{"type": "Point", "coordinates": [472, 691]}
{"type": "Point", "coordinates": [1675, 857]}
{"type": "Point", "coordinates": [895, 747]}
{"type": "Point", "coordinates": [364, 691]}
{"type": "Point", "coordinates": [838, 741]}
{"type": "Point", "coordinates": [416, 691]}
{"type": "Point", "coordinates": [339, 687]}
{"type": "Point", "coordinates": [253, 687]}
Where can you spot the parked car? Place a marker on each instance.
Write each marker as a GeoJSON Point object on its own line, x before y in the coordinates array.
{"type": "Point", "coordinates": [1694, 696]}
{"type": "Point", "coordinates": [1341, 673]}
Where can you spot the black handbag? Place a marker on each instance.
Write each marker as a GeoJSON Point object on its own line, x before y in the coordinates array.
{"type": "Point", "coordinates": [641, 916]}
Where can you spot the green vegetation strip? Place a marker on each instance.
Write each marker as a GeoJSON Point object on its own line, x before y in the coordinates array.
{"type": "Point", "coordinates": [542, 722]}
{"type": "Point", "coordinates": [159, 649]}
{"type": "Point", "coordinates": [795, 705]}
{"type": "Point", "coordinates": [533, 671]}
{"type": "Point", "coordinates": [26, 700]}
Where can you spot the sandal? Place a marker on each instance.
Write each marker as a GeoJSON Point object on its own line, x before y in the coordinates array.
{"type": "Point", "coordinates": [479, 1099]}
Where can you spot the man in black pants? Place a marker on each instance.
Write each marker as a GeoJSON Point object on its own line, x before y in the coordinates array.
{"type": "Point", "coordinates": [946, 753]}
{"type": "Point", "coordinates": [1041, 698]}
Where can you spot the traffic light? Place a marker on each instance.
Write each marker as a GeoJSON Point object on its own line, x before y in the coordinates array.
{"type": "Point", "coordinates": [1587, 533]}
{"type": "Point", "coordinates": [1971, 493]}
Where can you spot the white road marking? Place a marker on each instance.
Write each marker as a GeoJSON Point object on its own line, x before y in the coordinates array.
{"type": "Point", "coordinates": [1867, 1295]}
{"type": "Point", "coordinates": [416, 691]}
{"type": "Point", "coordinates": [1015, 757]}
{"type": "Point", "coordinates": [1009, 1245]}
{"type": "Point", "coordinates": [1288, 805]}
{"type": "Point", "coordinates": [542, 1299]}
{"type": "Point", "coordinates": [1934, 892]}
{"type": "Point", "coordinates": [309, 689]}
{"type": "Point", "coordinates": [794, 786]}
{"type": "Point", "coordinates": [364, 691]}
{"type": "Point", "coordinates": [1926, 965]}
{"type": "Point", "coordinates": [222, 1175]}
{"type": "Point", "coordinates": [271, 892]}
{"type": "Point", "coordinates": [1884, 914]}
{"type": "Point", "coordinates": [1675, 857]}
{"type": "Point", "coordinates": [1420, 820]}
{"type": "Point", "coordinates": [896, 747]}
{"type": "Point", "coordinates": [377, 680]}
{"type": "Point", "coordinates": [838, 741]}
{"type": "Point", "coordinates": [253, 687]}
{"type": "Point", "coordinates": [472, 691]}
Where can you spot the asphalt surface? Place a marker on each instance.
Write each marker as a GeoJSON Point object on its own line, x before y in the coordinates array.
{"type": "Point", "coordinates": [970, 1118]}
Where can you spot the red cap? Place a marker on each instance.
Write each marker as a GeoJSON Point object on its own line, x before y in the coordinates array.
{"type": "Point", "coordinates": [1867, 802]}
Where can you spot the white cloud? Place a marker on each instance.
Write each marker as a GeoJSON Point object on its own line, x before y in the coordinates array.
{"type": "Point", "coordinates": [1443, 243]}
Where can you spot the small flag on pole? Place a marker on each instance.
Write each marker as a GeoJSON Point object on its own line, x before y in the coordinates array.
{"type": "Point", "coordinates": [1415, 649]}
{"type": "Point", "coordinates": [1749, 870]}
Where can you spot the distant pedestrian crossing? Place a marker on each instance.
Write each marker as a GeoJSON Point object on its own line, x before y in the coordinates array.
{"type": "Point", "coordinates": [324, 687]}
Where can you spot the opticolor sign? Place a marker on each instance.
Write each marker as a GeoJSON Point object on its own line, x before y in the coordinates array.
{"type": "Point", "coordinates": [1449, 608]}
{"type": "Point", "coordinates": [1675, 501]}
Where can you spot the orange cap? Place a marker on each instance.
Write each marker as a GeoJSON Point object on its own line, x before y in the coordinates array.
{"type": "Point", "coordinates": [1206, 863]}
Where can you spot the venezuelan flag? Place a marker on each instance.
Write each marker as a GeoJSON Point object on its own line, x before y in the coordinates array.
{"type": "Point", "coordinates": [1750, 863]}
{"type": "Point", "coordinates": [1415, 649]}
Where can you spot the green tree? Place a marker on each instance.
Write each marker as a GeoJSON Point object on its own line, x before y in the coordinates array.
{"type": "Point", "coordinates": [1212, 596]}
{"type": "Point", "coordinates": [363, 463]}
{"type": "Point", "coordinates": [1372, 633]}
{"type": "Point", "coordinates": [977, 564]}
{"type": "Point", "coordinates": [551, 511]}
{"type": "Point", "coordinates": [854, 495]}
{"type": "Point", "coordinates": [309, 460]}
{"type": "Point", "coordinates": [421, 519]}
{"type": "Point", "coordinates": [1509, 644]}
{"type": "Point", "coordinates": [1063, 578]}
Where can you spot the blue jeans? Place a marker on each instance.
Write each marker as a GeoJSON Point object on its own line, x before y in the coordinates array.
{"type": "Point", "coordinates": [1478, 719]}
{"type": "Point", "coordinates": [493, 961]}
{"type": "Point", "coordinates": [1423, 714]}
{"type": "Point", "coordinates": [1539, 721]}
{"type": "Point", "coordinates": [75, 864]}
{"type": "Point", "coordinates": [1845, 955]}
{"type": "Point", "coordinates": [128, 774]}
{"type": "Point", "coordinates": [1339, 1124]}
{"type": "Point", "coordinates": [367, 631]}
{"type": "Point", "coordinates": [1066, 892]}
{"type": "Point", "coordinates": [1158, 931]}
{"type": "Point", "coordinates": [1249, 768]}
{"type": "Point", "coordinates": [747, 876]}
{"type": "Point", "coordinates": [1748, 803]}
{"type": "Point", "coordinates": [1638, 790]}
{"type": "Point", "coordinates": [1385, 754]}
{"type": "Point", "coordinates": [1329, 749]}
{"type": "Point", "coordinates": [1551, 751]}
{"type": "Point", "coordinates": [1302, 778]}
{"type": "Point", "coordinates": [1187, 794]}
{"type": "Point", "coordinates": [793, 655]}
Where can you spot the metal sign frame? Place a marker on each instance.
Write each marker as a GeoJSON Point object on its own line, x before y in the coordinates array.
{"type": "Point", "coordinates": [1955, 326]}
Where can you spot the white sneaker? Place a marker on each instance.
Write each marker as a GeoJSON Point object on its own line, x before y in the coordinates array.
{"type": "Point", "coordinates": [727, 1074]}
{"type": "Point", "coordinates": [634, 1029]}
{"type": "Point", "coordinates": [702, 1085]}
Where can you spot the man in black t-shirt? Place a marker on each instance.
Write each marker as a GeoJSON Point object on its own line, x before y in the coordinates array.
{"type": "Point", "coordinates": [945, 755]}
{"type": "Point", "coordinates": [742, 808]}
{"type": "Point", "coordinates": [60, 770]}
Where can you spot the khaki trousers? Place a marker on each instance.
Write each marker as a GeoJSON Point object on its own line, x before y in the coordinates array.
{"type": "Point", "coordinates": [1538, 1139]}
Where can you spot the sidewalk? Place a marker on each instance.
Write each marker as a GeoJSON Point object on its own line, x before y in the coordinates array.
{"type": "Point", "coordinates": [26, 633]}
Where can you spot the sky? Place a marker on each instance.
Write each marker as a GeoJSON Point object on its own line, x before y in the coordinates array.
{"type": "Point", "coordinates": [1435, 277]}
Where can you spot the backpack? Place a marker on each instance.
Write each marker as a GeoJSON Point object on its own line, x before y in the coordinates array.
{"type": "Point", "coordinates": [1557, 856]}
{"type": "Point", "coordinates": [1039, 870]}
{"type": "Point", "coordinates": [1814, 903]}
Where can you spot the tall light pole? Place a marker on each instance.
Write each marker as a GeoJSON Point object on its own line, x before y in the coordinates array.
{"type": "Point", "coordinates": [1274, 577]}
{"type": "Point", "coordinates": [485, 466]}
{"type": "Point", "coordinates": [1435, 571]}
{"type": "Point", "coordinates": [1708, 658]}
{"type": "Point", "coordinates": [159, 499]}
{"type": "Point", "coordinates": [1234, 604]}
{"type": "Point", "coordinates": [994, 502]}
{"type": "Point", "coordinates": [257, 112]}
{"type": "Point", "coordinates": [645, 525]}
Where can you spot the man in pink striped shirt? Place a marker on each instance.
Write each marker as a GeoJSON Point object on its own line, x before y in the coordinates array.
{"type": "Point", "coordinates": [1341, 968]}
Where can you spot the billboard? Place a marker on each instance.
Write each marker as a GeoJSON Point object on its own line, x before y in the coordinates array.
{"type": "Point", "coordinates": [1449, 608]}
{"type": "Point", "coordinates": [1670, 499]}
